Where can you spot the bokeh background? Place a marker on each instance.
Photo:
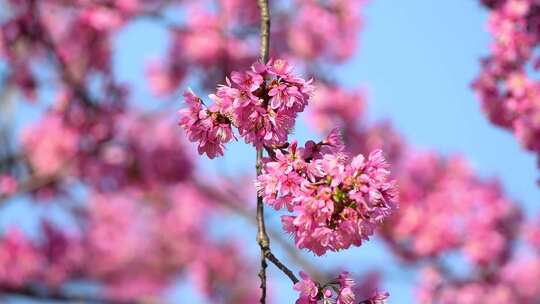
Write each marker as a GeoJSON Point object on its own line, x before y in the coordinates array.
{"type": "Point", "coordinates": [415, 61]}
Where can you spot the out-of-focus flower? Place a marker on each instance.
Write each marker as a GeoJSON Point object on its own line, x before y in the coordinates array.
{"type": "Point", "coordinates": [509, 95]}
{"type": "Point", "coordinates": [445, 207]}
{"type": "Point", "coordinates": [8, 185]}
{"type": "Point", "coordinates": [50, 144]}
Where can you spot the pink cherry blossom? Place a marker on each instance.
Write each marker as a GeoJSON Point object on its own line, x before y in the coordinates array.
{"type": "Point", "coordinates": [460, 211]}
{"type": "Point", "coordinates": [336, 201]}
{"type": "Point", "coordinates": [8, 184]}
{"type": "Point", "coordinates": [309, 291]}
{"type": "Point", "coordinates": [339, 291]}
{"type": "Point", "coordinates": [316, 25]}
{"type": "Point", "coordinates": [50, 144]}
{"type": "Point", "coordinates": [211, 129]}
{"type": "Point", "coordinates": [263, 111]}
{"type": "Point", "coordinates": [508, 93]}
{"type": "Point", "coordinates": [20, 261]}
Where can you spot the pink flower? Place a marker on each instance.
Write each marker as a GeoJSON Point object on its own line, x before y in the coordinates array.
{"type": "Point", "coordinates": [163, 77]}
{"type": "Point", "coordinates": [8, 185]}
{"type": "Point", "coordinates": [249, 80]}
{"type": "Point", "coordinates": [20, 260]}
{"type": "Point", "coordinates": [339, 291]}
{"type": "Point", "coordinates": [326, 31]}
{"type": "Point", "coordinates": [506, 86]}
{"type": "Point", "coordinates": [210, 128]}
{"type": "Point", "coordinates": [444, 207]}
{"type": "Point", "coordinates": [308, 289]}
{"type": "Point", "coordinates": [51, 144]}
{"type": "Point", "coordinates": [279, 68]}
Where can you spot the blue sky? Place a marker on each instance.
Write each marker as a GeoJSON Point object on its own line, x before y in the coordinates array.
{"type": "Point", "coordinates": [416, 61]}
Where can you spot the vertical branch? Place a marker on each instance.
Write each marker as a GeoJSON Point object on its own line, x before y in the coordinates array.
{"type": "Point", "coordinates": [262, 236]}
{"type": "Point", "coordinates": [265, 29]}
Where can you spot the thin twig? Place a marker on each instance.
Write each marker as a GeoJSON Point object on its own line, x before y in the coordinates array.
{"type": "Point", "coordinates": [272, 258]}
{"type": "Point", "coordinates": [37, 181]}
{"type": "Point", "coordinates": [29, 292]}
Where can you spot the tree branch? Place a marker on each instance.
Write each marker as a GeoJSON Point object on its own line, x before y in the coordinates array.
{"type": "Point", "coordinates": [33, 293]}
{"type": "Point", "coordinates": [265, 29]}
{"type": "Point", "coordinates": [272, 258]}
{"type": "Point", "coordinates": [262, 236]}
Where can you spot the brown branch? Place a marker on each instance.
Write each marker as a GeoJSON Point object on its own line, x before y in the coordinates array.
{"type": "Point", "coordinates": [36, 181]}
{"type": "Point", "coordinates": [265, 30]}
{"type": "Point", "coordinates": [33, 293]}
{"type": "Point", "coordinates": [272, 258]}
{"type": "Point", "coordinates": [262, 236]}
{"type": "Point", "coordinates": [262, 277]}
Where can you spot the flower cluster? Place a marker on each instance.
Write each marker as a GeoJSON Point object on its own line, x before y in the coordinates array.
{"type": "Point", "coordinates": [339, 291]}
{"type": "Point", "coordinates": [8, 184]}
{"type": "Point", "coordinates": [511, 284]}
{"type": "Point", "coordinates": [50, 262]}
{"type": "Point", "coordinates": [328, 31]}
{"type": "Point", "coordinates": [261, 103]}
{"type": "Point", "coordinates": [14, 249]}
{"type": "Point", "coordinates": [445, 207]}
{"type": "Point", "coordinates": [337, 200]}
{"type": "Point", "coordinates": [508, 93]}
{"type": "Point", "coordinates": [50, 144]}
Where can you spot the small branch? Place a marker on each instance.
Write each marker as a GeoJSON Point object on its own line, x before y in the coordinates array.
{"type": "Point", "coordinates": [262, 277]}
{"type": "Point", "coordinates": [262, 236]}
{"type": "Point", "coordinates": [34, 182]}
{"type": "Point", "coordinates": [272, 258]}
{"type": "Point", "coordinates": [29, 292]}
